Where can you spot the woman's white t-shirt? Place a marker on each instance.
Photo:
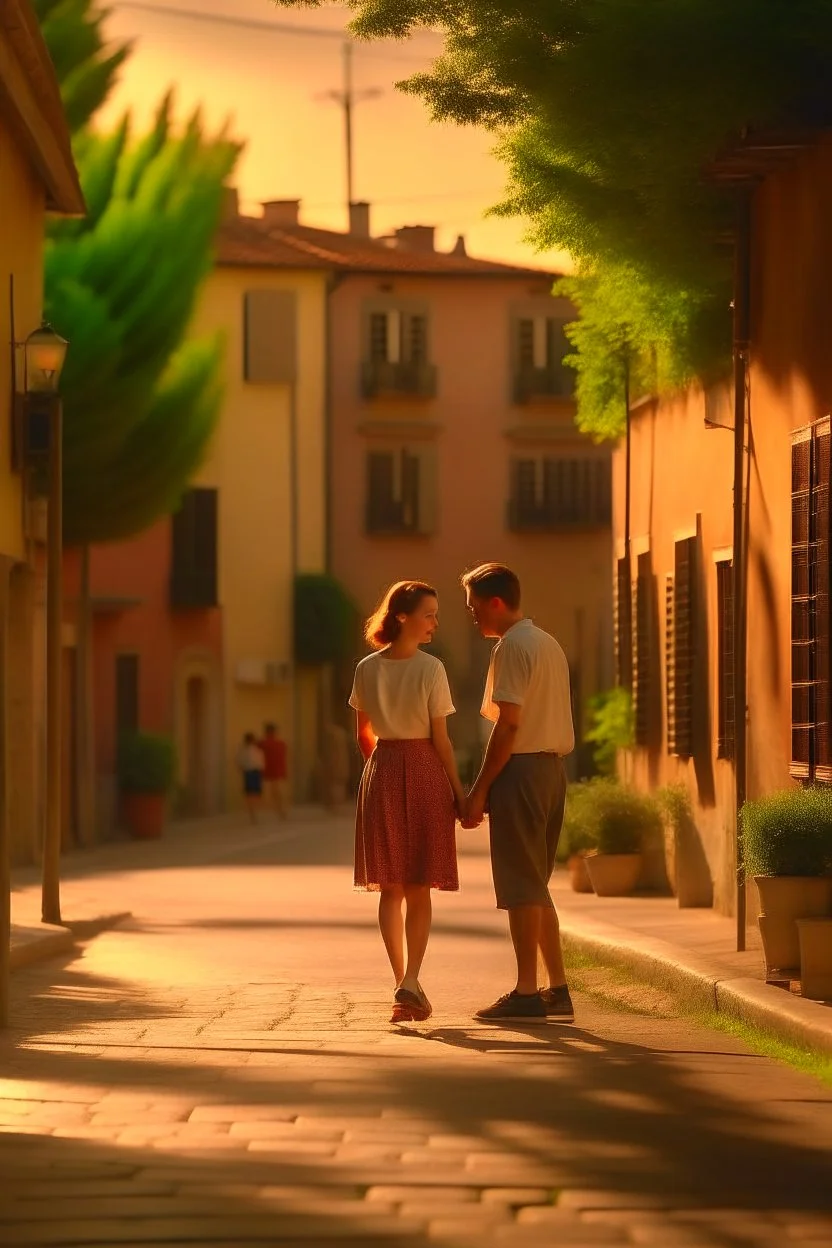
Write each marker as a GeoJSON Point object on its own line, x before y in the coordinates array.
{"type": "Point", "coordinates": [401, 696]}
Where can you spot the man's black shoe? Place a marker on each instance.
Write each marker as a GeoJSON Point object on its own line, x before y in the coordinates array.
{"type": "Point", "coordinates": [514, 1007]}
{"type": "Point", "coordinates": [558, 1004]}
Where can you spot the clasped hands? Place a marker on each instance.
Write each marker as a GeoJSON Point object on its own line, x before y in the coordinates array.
{"type": "Point", "coordinates": [471, 808]}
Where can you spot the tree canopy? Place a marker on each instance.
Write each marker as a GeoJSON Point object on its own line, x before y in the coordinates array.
{"type": "Point", "coordinates": [606, 113]}
{"type": "Point", "coordinates": [140, 398]}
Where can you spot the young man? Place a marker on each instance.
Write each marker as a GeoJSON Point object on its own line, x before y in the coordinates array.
{"type": "Point", "coordinates": [522, 784]}
{"type": "Point", "coordinates": [274, 771]}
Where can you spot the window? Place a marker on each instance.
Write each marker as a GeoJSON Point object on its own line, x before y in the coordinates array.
{"type": "Point", "coordinates": [725, 658]}
{"type": "Point", "coordinates": [811, 755]}
{"type": "Point", "coordinates": [397, 357]}
{"type": "Point", "coordinates": [540, 345]}
{"type": "Point", "coordinates": [399, 492]}
{"type": "Point", "coordinates": [193, 580]}
{"type": "Point", "coordinates": [623, 606]}
{"type": "Point", "coordinates": [269, 337]}
{"type": "Point", "coordinates": [680, 632]}
{"type": "Point", "coordinates": [127, 694]}
{"type": "Point", "coordinates": [559, 493]}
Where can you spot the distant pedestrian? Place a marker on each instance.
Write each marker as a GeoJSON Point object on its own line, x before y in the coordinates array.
{"type": "Point", "coordinates": [410, 787]}
{"type": "Point", "coordinates": [522, 784]}
{"type": "Point", "coordinates": [251, 763]}
{"type": "Point", "coordinates": [275, 769]}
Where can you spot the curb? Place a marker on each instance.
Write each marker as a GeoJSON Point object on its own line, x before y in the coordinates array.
{"type": "Point", "coordinates": [31, 944]}
{"type": "Point", "coordinates": [791, 1019]}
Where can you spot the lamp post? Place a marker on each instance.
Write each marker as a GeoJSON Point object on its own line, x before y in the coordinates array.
{"type": "Point", "coordinates": [42, 439]}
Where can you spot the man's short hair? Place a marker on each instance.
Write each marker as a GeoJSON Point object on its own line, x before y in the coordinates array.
{"type": "Point", "coordinates": [494, 580]}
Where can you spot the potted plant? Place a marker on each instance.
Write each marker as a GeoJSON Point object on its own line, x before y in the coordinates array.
{"type": "Point", "coordinates": [787, 845]}
{"type": "Point", "coordinates": [146, 768]}
{"type": "Point", "coordinates": [815, 958]}
{"type": "Point", "coordinates": [577, 836]}
{"type": "Point", "coordinates": [624, 820]}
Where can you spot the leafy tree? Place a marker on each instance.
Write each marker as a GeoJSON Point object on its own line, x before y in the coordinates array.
{"type": "Point", "coordinates": [86, 65]}
{"type": "Point", "coordinates": [606, 113]}
{"type": "Point", "coordinates": [140, 401]}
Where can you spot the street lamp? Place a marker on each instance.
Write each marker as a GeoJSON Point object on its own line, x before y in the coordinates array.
{"type": "Point", "coordinates": [44, 353]}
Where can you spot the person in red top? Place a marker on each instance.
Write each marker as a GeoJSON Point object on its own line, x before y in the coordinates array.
{"type": "Point", "coordinates": [274, 772]}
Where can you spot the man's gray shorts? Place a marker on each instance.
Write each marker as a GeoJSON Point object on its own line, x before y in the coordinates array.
{"type": "Point", "coordinates": [525, 806]}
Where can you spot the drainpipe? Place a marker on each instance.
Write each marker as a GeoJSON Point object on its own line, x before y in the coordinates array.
{"type": "Point", "coordinates": [742, 340]}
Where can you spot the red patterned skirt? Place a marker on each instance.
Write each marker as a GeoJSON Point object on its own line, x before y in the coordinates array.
{"type": "Point", "coordinates": [405, 820]}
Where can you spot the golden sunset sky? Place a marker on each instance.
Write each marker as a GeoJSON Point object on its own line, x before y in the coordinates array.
{"type": "Point", "coordinates": [272, 85]}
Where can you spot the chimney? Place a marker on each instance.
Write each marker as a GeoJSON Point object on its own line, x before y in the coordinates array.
{"type": "Point", "coordinates": [459, 246]}
{"type": "Point", "coordinates": [230, 205]}
{"type": "Point", "coordinates": [416, 237]}
{"type": "Point", "coordinates": [360, 220]}
{"type": "Point", "coordinates": [281, 212]}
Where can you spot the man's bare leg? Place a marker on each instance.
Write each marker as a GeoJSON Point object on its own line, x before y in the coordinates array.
{"type": "Point", "coordinates": [524, 925]}
{"type": "Point", "coordinates": [550, 948]}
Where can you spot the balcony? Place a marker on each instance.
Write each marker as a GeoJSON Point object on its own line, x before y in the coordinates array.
{"type": "Point", "coordinates": [558, 515]}
{"type": "Point", "coordinates": [542, 383]}
{"type": "Point", "coordinates": [193, 588]}
{"type": "Point", "coordinates": [414, 380]}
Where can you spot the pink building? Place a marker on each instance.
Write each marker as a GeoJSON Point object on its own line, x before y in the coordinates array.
{"type": "Point", "coordinates": [452, 439]}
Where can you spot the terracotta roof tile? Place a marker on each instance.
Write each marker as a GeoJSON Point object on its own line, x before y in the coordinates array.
{"type": "Point", "coordinates": [250, 241]}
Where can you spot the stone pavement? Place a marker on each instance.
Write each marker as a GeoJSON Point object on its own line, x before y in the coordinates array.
{"type": "Point", "coordinates": [220, 1070]}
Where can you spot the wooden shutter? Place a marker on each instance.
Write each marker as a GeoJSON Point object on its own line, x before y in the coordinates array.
{"type": "Point", "coordinates": [380, 477]}
{"type": "Point", "coordinates": [409, 497]}
{"type": "Point", "coordinates": [682, 640]}
{"type": "Point", "coordinates": [557, 346]}
{"type": "Point", "coordinates": [194, 550]}
{"type": "Point", "coordinates": [417, 339]}
{"type": "Point", "coordinates": [641, 651]}
{"type": "Point", "coordinates": [623, 624]}
{"type": "Point", "coordinates": [525, 342]}
{"type": "Point", "coordinates": [820, 593]}
{"type": "Point", "coordinates": [725, 659]}
{"type": "Point", "coordinates": [670, 662]}
{"type": "Point", "coordinates": [270, 337]}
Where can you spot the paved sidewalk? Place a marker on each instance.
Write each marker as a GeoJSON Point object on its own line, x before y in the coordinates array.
{"type": "Point", "coordinates": [220, 1070]}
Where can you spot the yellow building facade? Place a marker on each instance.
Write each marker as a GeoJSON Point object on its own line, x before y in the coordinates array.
{"type": "Point", "coordinates": [37, 175]}
{"type": "Point", "coordinates": [267, 466]}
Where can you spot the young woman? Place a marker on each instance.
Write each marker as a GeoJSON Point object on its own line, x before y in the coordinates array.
{"type": "Point", "coordinates": [410, 791]}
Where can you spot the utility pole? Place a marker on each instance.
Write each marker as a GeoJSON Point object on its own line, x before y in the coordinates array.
{"type": "Point", "coordinates": [347, 98]}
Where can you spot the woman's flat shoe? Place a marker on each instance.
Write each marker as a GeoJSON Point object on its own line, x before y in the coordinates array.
{"type": "Point", "coordinates": [417, 1006]}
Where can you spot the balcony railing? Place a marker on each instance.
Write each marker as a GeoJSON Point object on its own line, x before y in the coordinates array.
{"type": "Point", "coordinates": [529, 517]}
{"type": "Point", "coordinates": [380, 377]}
{"type": "Point", "coordinates": [541, 383]}
{"type": "Point", "coordinates": [193, 588]}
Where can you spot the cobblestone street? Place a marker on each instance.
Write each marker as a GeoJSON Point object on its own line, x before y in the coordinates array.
{"type": "Point", "coordinates": [220, 1070]}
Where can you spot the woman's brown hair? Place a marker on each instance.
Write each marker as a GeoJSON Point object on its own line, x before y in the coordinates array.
{"type": "Point", "coordinates": [403, 598]}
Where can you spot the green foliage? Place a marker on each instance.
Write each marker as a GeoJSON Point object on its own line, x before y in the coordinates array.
{"type": "Point", "coordinates": [140, 401]}
{"type": "Point", "coordinates": [326, 620]}
{"type": "Point", "coordinates": [611, 728]}
{"type": "Point", "coordinates": [674, 803]}
{"type": "Point", "coordinates": [609, 817]}
{"type": "Point", "coordinates": [789, 833]}
{"type": "Point", "coordinates": [607, 113]}
{"type": "Point", "coordinates": [146, 763]}
{"type": "Point", "coordinates": [87, 66]}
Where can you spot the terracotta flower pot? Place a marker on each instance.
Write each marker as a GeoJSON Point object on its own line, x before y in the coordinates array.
{"type": "Point", "coordinates": [816, 958]}
{"type": "Point", "coordinates": [614, 875]}
{"type": "Point", "coordinates": [578, 874]}
{"type": "Point", "coordinates": [144, 814]}
{"type": "Point", "coordinates": [784, 899]}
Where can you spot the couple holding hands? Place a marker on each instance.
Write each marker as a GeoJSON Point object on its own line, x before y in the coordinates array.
{"type": "Point", "coordinates": [411, 796]}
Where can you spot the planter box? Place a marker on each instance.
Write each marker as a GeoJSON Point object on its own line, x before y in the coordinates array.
{"type": "Point", "coordinates": [614, 875]}
{"type": "Point", "coordinates": [578, 874]}
{"type": "Point", "coordinates": [816, 958]}
{"type": "Point", "coordinates": [785, 899]}
{"type": "Point", "coordinates": [144, 814]}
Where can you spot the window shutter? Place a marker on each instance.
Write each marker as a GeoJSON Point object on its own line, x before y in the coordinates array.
{"type": "Point", "coordinates": [205, 535]}
{"type": "Point", "coordinates": [801, 629]}
{"type": "Point", "coordinates": [680, 728]}
{"type": "Point", "coordinates": [670, 662]}
{"type": "Point", "coordinates": [270, 337]}
{"type": "Point", "coordinates": [378, 337]}
{"type": "Point", "coordinates": [623, 624]}
{"type": "Point", "coordinates": [194, 547]}
{"type": "Point", "coordinates": [380, 473]}
{"type": "Point", "coordinates": [525, 342]}
{"type": "Point", "coordinates": [410, 492]}
{"type": "Point", "coordinates": [820, 593]}
{"type": "Point", "coordinates": [417, 339]}
{"type": "Point", "coordinates": [127, 694]}
{"type": "Point", "coordinates": [725, 659]}
{"type": "Point", "coordinates": [641, 651]}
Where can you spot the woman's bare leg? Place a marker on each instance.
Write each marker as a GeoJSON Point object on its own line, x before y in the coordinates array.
{"type": "Point", "coordinates": [417, 931]}
{"type": "Point", "coordinates": [392, 927]}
